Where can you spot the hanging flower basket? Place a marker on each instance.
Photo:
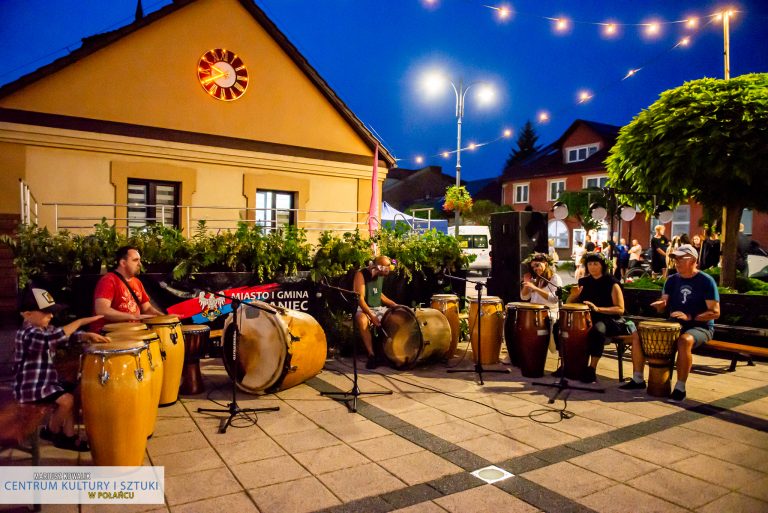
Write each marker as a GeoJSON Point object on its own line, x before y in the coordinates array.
{"type": "Point", "coordinates": [457, 199]}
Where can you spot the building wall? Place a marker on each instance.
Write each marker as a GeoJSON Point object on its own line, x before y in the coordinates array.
{"type": "Point", "coordinates": [149, 77]}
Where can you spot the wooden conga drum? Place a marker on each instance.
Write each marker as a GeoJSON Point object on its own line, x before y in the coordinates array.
{"type": "Point", "coordinates": [195, 345]}
{"type": "Point", "coordinates": [168, 328]}
{"type": "Point", "coordinates": [659, 343]}
{"type": "Point", "coordinates": [155, 365]}
{"type": "Point", "coordinates": [116, 393]}
{"type": "Point", "coordinates": [448, 305]}
{"type": "Point", "coordinates": [122, 326]}
{"type": "Point", "coordinates": [492, 320]}
{"type": "Point", "coordinates": [526, 333]}
{"type": "Point", "coordinates": [275, 351]}
{"type": "Point", "coordinates": [575, 322]}
{"type": "Point", "coordinates": [415, 336]}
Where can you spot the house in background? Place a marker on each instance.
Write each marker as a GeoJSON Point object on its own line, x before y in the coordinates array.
{"type": "Point", "coordinates": [427, 185]}
{"type": "Point", "coordinates": [575, 162]}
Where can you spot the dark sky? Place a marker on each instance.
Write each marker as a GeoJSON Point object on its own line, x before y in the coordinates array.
{"type": "Point", "coordinates": [373, 53]}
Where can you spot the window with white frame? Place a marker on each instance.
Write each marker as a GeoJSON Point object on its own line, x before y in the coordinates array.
{"type": "Point", "coordinates": [746, 220]}
{"type": "Point", "coordinates": [595, 182]}
{"type": "Point", "coordinates": [558, 231]}
{"type": "Point", "coordinates": [521, 193]}
{"type": "Point", "coordinates": [579, 153]}
{"type": "Point", "coordinates": [681, 220]}
{"type": "Point", "coordinates": [556, 187]}
{"type": "Point", "coordinates": [152, 201]}
{"type": "Point", "coordinates": [274, 209]}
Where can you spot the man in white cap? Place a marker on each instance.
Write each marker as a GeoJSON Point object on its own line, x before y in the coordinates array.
{"type": "Point", "coordinates": [690, 298]}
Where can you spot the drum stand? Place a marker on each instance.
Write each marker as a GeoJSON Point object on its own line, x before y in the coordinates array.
{"type": "Point", "coordinates": [478, 366]}
{"type": "Point", "coordinates": [233, 409]}
{"type": "Point", "coordinates": [350, 398]}
{"type": "Point", "coordinates": [562, 383]}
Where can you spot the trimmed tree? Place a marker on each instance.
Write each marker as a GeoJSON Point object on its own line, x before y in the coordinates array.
{"type": "Point", "coordinates": [706, 140]}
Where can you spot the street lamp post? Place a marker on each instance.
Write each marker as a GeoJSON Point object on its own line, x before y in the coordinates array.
{"type": "Point", "coordinates": [433, 83]}
{"type": "Point", "coordinates": [460, 94]}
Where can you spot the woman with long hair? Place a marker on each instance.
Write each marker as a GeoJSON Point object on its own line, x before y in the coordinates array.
{"type": "Point", "coordinates": [540, 283]}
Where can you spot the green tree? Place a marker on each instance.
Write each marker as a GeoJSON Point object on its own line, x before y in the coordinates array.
{"type": "Point", "coordinates": [482, 210]}
{"type": "Point", "coordinates": [526, 145]}
{"type": "Point", "coordinates": [707, 139]}
{"type": "Point", "coordinates": [578, 206]}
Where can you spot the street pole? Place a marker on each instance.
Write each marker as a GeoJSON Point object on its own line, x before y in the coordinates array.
{"type": "Point", "coordinates": [459, 115]}
{"type": "Point", "coordinates": [726, 45]}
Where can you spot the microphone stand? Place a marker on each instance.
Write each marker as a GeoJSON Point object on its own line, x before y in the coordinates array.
{"type": "Point", "coordinates": [562, 383]}
{"type": "Point", "coordinates": [353, 394]}
{"type": "Point", "coordinates": [233, 409]}
{"type": "Point", "coordinates": [478, 366]}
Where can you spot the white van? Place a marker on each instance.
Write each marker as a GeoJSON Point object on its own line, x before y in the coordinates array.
{"type": "Point", "coordinates": [475, 240]}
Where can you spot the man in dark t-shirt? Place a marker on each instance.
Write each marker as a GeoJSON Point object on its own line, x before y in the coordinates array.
{"type": "Point", "coordinates": [690, 298]}
{"type": "Point", "coordinates": [659, 245]}
{"type": "Point", "coordinates": [372, 302]}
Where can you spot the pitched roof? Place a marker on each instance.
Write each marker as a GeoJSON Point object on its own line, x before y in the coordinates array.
{"type": "Point", "coordinates": [93, 43]}
{"type": "Point", "coordinates": [548, 161]}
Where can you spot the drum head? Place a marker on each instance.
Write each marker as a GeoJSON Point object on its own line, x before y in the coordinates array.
{"type": "Point", "coordinates": [261, 349]}
{"type": "Point", "coordinates": [576, 307]}
{"type": "Point", "coordinates": [519, 305]}
{"type": "Point", "coordinates": [403, 341]}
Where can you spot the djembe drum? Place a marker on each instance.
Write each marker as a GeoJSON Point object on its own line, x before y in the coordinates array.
{"type": "Point", "coordinates": [415, 336]}
{"type": "Point", "coordinates": [492, 321]}
{"type": "Point", "coordinates": [659, 342]}
{"type": "Point", "coordinates": [195, 345]}
{"type": "Point", "coordinates": [448, 304]}
{"type": "Point", "coordinates": [526, 333]}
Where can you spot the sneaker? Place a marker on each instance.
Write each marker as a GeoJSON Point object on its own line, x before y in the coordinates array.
{"type": "Point", "coordinates": [632, 385]}
{"type": "Point", "coordinates": [558, 372]}
{"type": "Point", "coordinates": [677, 396]}
{"type": "Point", "coordinates": [590, 375]}
{"type": "Point", "coordinates": [372, 363]}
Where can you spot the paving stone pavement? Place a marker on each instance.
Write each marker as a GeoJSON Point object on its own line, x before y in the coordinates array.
{"type": "Point", "coordinates": [413, 451]}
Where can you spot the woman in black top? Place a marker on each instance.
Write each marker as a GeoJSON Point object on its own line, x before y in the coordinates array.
{"type": "Point", "coordinates": [602, 294]}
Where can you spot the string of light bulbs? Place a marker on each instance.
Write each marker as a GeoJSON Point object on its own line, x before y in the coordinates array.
{"type": "Point", "coordinates": [545, 116]}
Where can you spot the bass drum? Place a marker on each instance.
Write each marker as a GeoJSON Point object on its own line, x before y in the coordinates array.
{"type": "Point", "coordinates": [415, 336]}
{"type": "Point", "coordinates": [276, 349]}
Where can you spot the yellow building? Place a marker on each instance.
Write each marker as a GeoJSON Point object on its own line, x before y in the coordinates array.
{"type": "Point", "coordinates": [174, 110]}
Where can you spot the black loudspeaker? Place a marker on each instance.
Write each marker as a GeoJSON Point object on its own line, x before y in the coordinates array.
{"type": "Point", "coordinates": [514, 236]}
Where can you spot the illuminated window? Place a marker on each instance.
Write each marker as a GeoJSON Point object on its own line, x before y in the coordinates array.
{"type": "Point", "coordinates": [681, 220]}
{"type": "Point", "coordinates": [151, 202]}
{"type": "Point", "coordinates": [521, 193]}
{"type": "Point", "coordinates": [746, 220]}
{"type": "Point", "coordinates": [558, 231]}
{"type": "Point", "coordinates": [274, 209]}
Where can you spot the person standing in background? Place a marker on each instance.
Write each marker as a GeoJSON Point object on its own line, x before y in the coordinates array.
{"type": "Point", "coordinates": [659, 245]}
{"type": "Point", "coordinates": [635, 254]}
{"type": "Point", "coordinates": [710, 250]}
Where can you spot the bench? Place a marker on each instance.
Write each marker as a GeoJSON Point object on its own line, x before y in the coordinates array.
{"type": "Point", "coordinates": [622, 343]}
{"type": "Point", "coordinates": [737, 350]}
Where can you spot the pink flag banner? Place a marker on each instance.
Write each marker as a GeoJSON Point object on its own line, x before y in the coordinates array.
{"type": "Point", "coordinates": [374, 216]}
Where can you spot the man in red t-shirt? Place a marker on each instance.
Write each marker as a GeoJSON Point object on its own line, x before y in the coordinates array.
{"type": "Point", "coordinates": [114, 300]}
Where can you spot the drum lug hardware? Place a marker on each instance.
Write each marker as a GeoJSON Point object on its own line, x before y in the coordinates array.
{"type": "Point", "coordinates": [293, 368]}
{"type": "Point", "coordinates": [139, 374]}
{"type": "Point", "coordinates": [151, 364]}
{"type": "Point", "coordinates": [162, 354]}
{"type": "Point", "coordinates": [174, 337]}
{"type": "Point", "coordinates": [103, 378]}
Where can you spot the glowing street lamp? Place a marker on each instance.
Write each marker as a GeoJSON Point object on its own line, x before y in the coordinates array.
{"type": "Point", "coordinates": [434, 83]}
